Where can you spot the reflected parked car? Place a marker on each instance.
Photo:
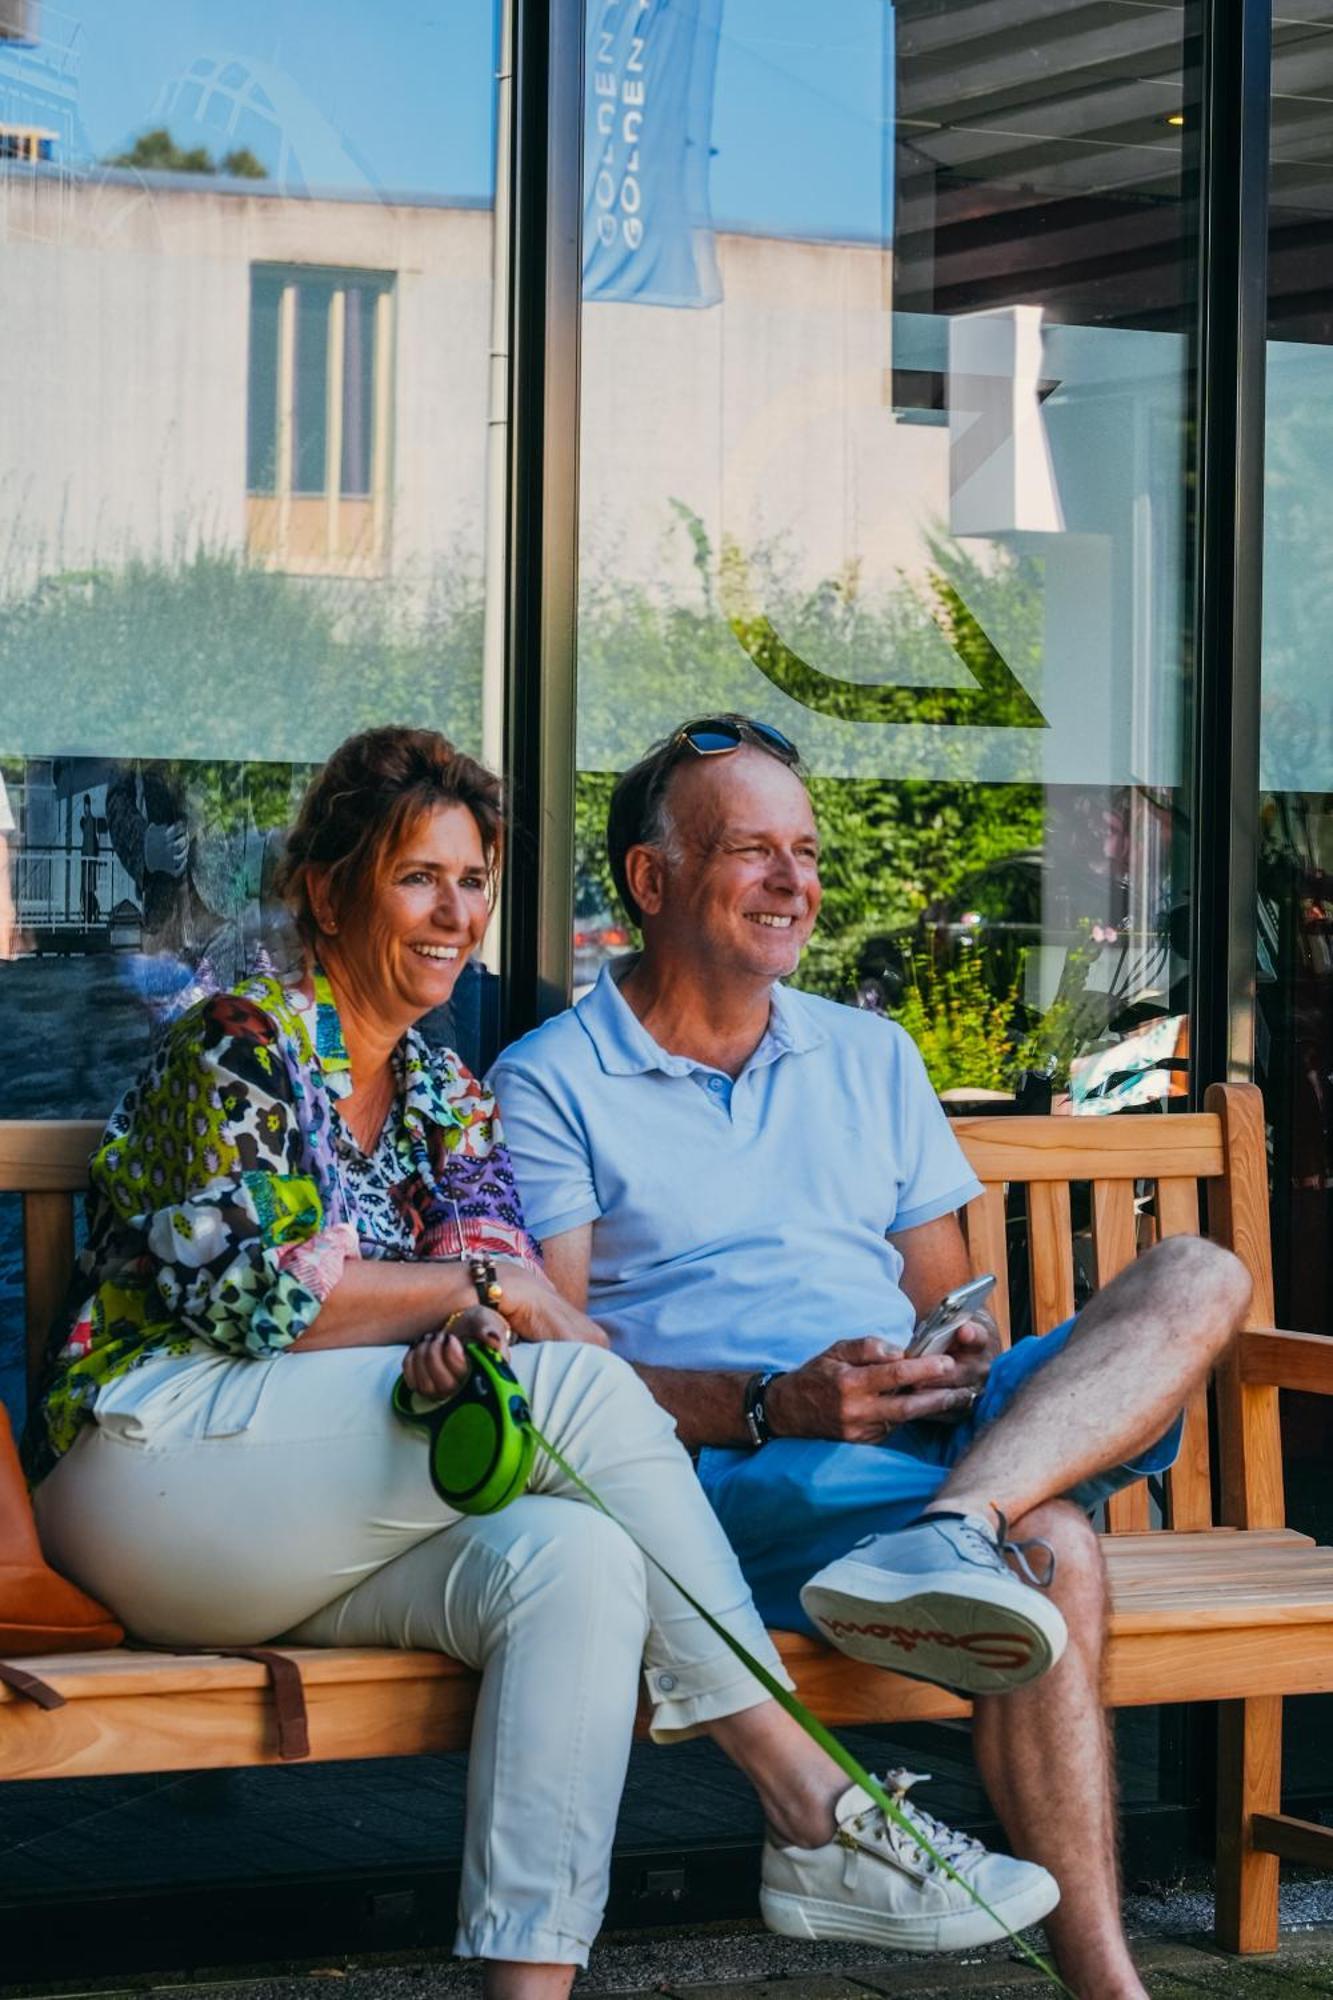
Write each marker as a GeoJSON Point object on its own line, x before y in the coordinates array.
{"type": "Point", "coordinates": [599, 934]}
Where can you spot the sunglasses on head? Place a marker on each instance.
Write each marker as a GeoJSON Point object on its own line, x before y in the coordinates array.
{"type": "Point", "coordinates": [717, 736]}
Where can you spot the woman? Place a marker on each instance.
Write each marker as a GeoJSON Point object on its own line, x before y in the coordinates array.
{"type": "Point", "coordinates": [282, 1210]}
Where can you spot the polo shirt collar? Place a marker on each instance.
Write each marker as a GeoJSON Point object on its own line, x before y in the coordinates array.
{"type": "Point", "coordinates": [625, 1048]}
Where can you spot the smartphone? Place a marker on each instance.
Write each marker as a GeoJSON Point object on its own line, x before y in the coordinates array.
{"type": "Point", "coordinates": [942, 1322]}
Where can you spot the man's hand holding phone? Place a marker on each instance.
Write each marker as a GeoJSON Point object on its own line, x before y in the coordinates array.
{"type": "Point", "coordinates": [961, 1327]}
{"type": "Point", "coordinates": [861, 1390]}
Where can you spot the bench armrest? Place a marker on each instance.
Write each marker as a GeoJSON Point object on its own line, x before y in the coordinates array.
{"type": "Point", "coordinates": [1277, 1360]}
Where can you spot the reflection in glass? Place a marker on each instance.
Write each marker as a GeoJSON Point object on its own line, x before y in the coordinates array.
{"type": "Point", "coordinates": [885, 413]}
{"type": "Point", "coordinates": [262, 396]}
{"type": "Point", "coordinates": [320, 420]}
{"type": "Point", "coordinates": [310, 389]}
{"type": "Point", "coordinates": [1295, 969]}
{"type": "Point", "coordinates": [244, 475]}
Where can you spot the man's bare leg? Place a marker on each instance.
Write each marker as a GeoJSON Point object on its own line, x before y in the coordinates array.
{"type": "Point", "coordinates": [1142, 1346]}
{"type": "Point", "coordinates": [1045, 1758]}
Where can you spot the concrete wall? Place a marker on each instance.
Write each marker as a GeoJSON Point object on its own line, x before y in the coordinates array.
{"type": "Point", "coordinates": [123, 409]}
{"type": "Point", "coordinates": [122, 419]}
{"type": "Point", "coordinates": [768, 415]}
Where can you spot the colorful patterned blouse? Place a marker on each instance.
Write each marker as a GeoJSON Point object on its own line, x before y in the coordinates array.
{"type": "Point", "coordinates": [227, 1194]}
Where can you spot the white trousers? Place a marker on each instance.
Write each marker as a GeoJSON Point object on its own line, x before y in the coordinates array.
{"type": "Point", "coordinates": [227, 1502]}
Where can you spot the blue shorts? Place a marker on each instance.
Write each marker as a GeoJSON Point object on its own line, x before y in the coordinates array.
{"type": "Point", "coordinates": [795, 1505]}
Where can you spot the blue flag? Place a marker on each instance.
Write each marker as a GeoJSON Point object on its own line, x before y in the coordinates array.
{"type": "Point", "coordinates": [647, 231]}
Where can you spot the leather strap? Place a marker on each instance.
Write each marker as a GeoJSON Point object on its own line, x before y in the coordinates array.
{"type": "Point", "coordinates": [29, 1686]}
{"type": "Point", "coordinates": [285, 1683]}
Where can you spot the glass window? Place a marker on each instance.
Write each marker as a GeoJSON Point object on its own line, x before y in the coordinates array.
{"type": "Point", "coordinates": [1295, 971]}
{"type": "Point", "coordinates": [244, 479]}
{"type": "Point", "coordinates": [886, 405]}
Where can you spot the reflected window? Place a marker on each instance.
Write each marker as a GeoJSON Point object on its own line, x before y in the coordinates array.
{"type": "Point", "coordinates": [26, 143]}
{"type": "Point", "coordinates": [318, 419]}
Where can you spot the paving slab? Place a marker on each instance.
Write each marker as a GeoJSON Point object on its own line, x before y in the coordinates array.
{"type": "Point", "coordinates": [725, 1962]}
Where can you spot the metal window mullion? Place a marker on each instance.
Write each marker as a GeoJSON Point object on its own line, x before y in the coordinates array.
{"type": "Point", "coordinates": [1235, 40]}
{"type": "Point", "coordinates": [541, 621]}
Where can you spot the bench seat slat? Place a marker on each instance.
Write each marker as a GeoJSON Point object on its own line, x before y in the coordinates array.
{"type": "Point", "coordinates": [129, 1710]}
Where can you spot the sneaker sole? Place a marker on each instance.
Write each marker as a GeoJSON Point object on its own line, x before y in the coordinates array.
{"type": "Point", "coordinates": [979, 1642]}
{"type": "Point", "coordinates": [791, 1915]}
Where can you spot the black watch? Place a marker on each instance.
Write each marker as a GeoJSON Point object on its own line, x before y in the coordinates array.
{"type": "Point", "coordinates": [753, 1405]}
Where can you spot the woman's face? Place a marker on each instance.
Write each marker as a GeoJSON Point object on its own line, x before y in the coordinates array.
{"type": "Point", "coordinates": [429, 916]}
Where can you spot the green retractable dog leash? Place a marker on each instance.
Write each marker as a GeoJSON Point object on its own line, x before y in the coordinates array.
{"type": "Point", "coordinates": [482, 1440]}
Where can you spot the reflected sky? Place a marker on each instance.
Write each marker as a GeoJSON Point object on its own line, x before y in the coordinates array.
{"type": "Point", "coordinates": [396, 96]}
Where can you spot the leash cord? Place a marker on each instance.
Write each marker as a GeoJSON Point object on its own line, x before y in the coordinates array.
{"type": "Point", "coordinates": [799, 1713]}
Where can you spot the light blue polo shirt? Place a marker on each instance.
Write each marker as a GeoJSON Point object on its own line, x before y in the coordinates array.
{"type": "Point", "coordinates": [735, 1224]}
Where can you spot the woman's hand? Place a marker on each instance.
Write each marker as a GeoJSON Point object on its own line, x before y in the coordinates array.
{"type": "Point", "coordinates": [436, 1365]}
{"type": "Point", "coordinates": [536, 1311]}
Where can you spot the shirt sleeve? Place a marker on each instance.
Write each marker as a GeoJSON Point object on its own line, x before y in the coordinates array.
{"type": "Point", "coordinates": [205, 1166]}
{"type": "Point", "coordinates": [6, 813]}
{"type": "Point", "coordinates": [934, 1177]}
{"type": "Point", "coordinates": [548, 1146]}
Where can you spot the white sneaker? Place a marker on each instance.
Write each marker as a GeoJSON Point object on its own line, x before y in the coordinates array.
{"type": "Point", "coordinates": [873, 1883]}
{"type": "Point", "coordinates": [938, 1601]}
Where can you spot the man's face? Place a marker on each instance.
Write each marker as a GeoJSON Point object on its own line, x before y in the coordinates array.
{"type": "Point", "coordinates": [743, 892]}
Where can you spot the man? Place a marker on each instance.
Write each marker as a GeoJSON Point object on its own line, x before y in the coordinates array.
{"type": "Point", "coordinates": [200, 841]}
{"type": "Point", "coordinates": [755, 1192]}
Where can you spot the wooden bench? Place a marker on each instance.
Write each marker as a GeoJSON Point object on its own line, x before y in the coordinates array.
{"type": "Point", "coordinates": [1220, 1603]}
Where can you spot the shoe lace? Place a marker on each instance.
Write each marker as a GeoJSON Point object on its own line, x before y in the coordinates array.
{"type": "Point", "coordinates": [1019, 1553]}
{"type": "Point", "coordinates": [948, 1843]}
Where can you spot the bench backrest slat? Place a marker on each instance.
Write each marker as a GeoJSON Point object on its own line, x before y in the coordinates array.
{"type": "Point", "coordinates": [1115, 1245]}
{"type": "Point", "coordinates": [987, 1248]}
{"type": "Point", "coordinates": [48, 1258]}
{"type": "Point", "coordinates": [1114, 1236]}
{"type": "Point", "coordinates": [1050, 1253]}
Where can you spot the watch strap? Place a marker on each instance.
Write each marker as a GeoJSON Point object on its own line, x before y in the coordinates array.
{"type": "Point", "coordinates": [754, 1408]}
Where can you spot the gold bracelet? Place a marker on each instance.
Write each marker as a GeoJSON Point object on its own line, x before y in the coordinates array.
{"type": "Point", "coordinates": [453, 1316]}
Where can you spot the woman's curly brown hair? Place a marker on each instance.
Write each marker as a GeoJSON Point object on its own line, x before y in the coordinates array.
{"type": "Point", "coordinates": [365, 803]}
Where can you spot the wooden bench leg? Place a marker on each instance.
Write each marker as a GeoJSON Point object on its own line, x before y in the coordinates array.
{"type": "Point", "coordinates": [1249, 1781]}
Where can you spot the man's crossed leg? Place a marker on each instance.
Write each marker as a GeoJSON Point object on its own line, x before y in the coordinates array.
{"type": "Point", "coordinates": [1078, 1415]}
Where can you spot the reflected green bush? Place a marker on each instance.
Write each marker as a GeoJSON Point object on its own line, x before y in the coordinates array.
{"type": "Point", "coordinates": [891, 845]}
{"type": "Point", "coordinates": [208, 658]}
{"type": "Point", "coordinates": [966, 1033]}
